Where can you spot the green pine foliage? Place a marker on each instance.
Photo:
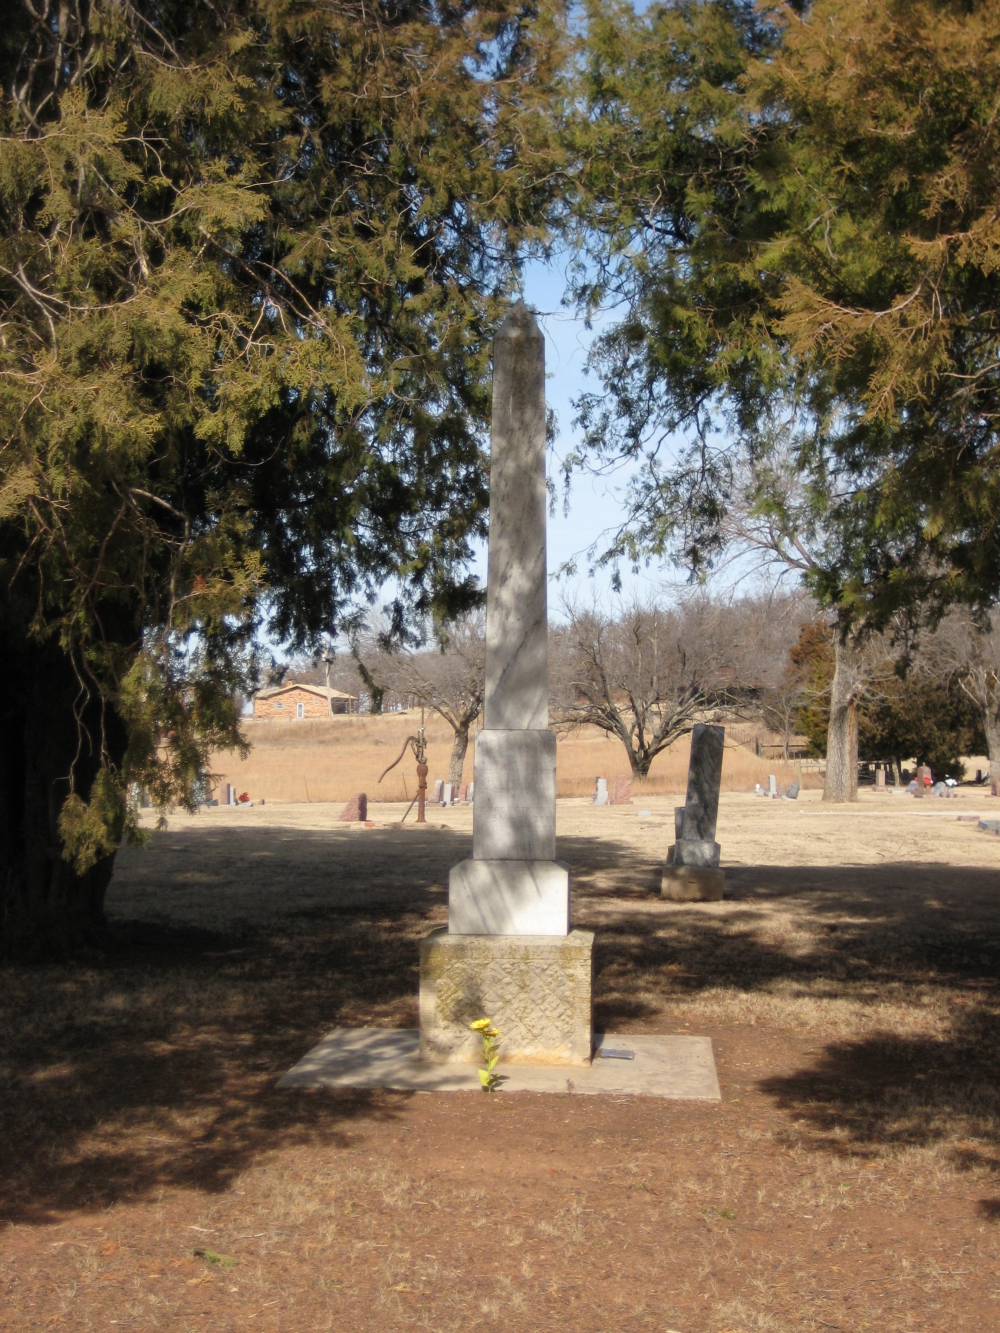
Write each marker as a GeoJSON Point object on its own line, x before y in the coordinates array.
{"type": "Point", "coordinates": [251, 258]}
{"type": "Point", "coordinates": [799, 211]}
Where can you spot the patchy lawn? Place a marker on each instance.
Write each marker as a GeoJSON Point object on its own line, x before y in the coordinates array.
{"type": "Point", "coordinates": [152, 1177]}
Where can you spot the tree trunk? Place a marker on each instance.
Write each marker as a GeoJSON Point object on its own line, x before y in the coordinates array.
{"type": "Point", "coordinates": [991, 725]}
{"type": "Point", "coordinates": [841, 782]}
{"type": "Point", "coordinates": [458, 752]}
{"type": "Point", "coordinates": [640, 762]}
{"type": "Point", "coordinates": [45, 906]}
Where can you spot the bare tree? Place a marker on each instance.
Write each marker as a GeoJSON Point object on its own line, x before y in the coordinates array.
{"type": "Point", "coordinates": [767, 686]}
{"type": "Point", "coordinates": [968, 649]}
{"type": "Point", "coordinates": [644, 676]}
{"type": "Point", "coordinates": [780, 703]}
{"type": "Point", "coordinates": [771, 521]}
{"type": "Point", "coordinates": [450, 679]}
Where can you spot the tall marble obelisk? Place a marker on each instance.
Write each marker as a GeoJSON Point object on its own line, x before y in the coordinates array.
{"type": "Point", "coordinates": [513, 885]}
{"type": "Point", "coordinates": [509, 952]}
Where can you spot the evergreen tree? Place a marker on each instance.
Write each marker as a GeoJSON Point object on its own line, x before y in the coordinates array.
{"type": "Point", "coordinates": [798, 209]}
{"type": "Point", "coordinates": [251, 257]}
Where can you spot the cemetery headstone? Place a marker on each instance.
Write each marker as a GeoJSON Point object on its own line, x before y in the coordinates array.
{"type": "Point", "coordinates": [463, 792]}
{"type": "Point", "coordinates": [446, 793]}
{"type": "Point", "coordinates": [880, 778]}
{"type": "Point", "coordinates": [508, 951]}
{"type": "Point", "coordinates": [792, 794]}
{"type": "Point", "coordinates": [356, 810]}
{"type": "Point", "coordinates": [692, 872]}
{"type": "Point", "coordinates": [600, 791]}
{"type": "Point", "coordinates": [772, 785]}
{"type": "Point", "coordinates": [438, 791]}
{"type": "Point", "coordinates": [472, 792]}
{"type": "Point", "coordinates": [621, 792]}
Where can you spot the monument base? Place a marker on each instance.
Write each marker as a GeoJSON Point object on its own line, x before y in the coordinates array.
{"type": "Point", "coordinates": [508, 898]}
{"type": "Point", "coordinates": [536, 989]}
{"type": "Point", "coordinates": [692, 884]}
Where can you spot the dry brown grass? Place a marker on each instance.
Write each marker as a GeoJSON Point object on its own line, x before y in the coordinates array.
{"type": "Point", "coordinates": [850, 1179]}
{"type": "Point", "coordinates": [330, 761]}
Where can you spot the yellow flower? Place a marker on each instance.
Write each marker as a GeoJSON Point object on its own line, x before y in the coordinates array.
{"type": "Point", "coordinates": [481, 1024]}
{"type": "Point", "coordinates": [491, 1032]}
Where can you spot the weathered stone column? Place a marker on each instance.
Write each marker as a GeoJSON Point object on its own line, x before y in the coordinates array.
{"type": "Point", "coordinates": [692, 871]}
{"type": "Point", "coordinates": [509, 952]}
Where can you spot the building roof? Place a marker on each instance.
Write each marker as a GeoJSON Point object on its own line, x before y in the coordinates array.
{"type": "Point", "coordinates": [319, 690]}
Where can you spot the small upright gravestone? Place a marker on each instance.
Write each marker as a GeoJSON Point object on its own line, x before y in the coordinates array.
{"type": "Point", "coordinates": [621, 791]}
{"type": "Point", "coordinates": [772, 786]}
{"type": "Point", "coordinates": [692, 871]}
{"type": "Point", "coordinates": [356, 809]}
{"type": "Point", "coordinates": [600, 791]}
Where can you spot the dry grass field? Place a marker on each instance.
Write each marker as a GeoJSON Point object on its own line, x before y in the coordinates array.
{"type": "Point", "coordinates": [331, 760]}
{"type": "Point", "coordinates": [153, 1178]}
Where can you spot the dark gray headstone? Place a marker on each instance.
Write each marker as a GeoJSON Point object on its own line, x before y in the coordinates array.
{"type": "Point", "coordinates": [701, 809]}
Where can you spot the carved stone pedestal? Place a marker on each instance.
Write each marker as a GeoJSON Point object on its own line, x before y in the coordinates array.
{"type": "Point", "coordinates": [692, 884]}
{"type": "Point", "coordinates": [536, 989]}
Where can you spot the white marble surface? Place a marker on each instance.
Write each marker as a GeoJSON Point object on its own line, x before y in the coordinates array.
{"type": "Point", "coordinates": [508, 898]}
{"type": "Point", "coordinates": [514, 815]}
{"type": "Point", "coordinates": [517, 687]}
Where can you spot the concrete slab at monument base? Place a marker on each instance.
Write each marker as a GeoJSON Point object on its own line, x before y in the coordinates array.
{"type": "Point", "coordinates": [676, 1067]}
{"type": "Point", "coordinates": [692, 884]}
{"type": "Point", "coordinates": [536, 988]}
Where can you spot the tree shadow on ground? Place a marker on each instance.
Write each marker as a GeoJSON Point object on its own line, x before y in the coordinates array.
{"type": "Point", "coordinates": [156, 1067]}
{"type": "Point", "coordinates": [152, 1064]}
{"type": "Point", "coordinates": [233, 951]}
{"type": "Point", "coordinates": [861, 1099]}
{"type": "Point", "coordinates": [851, 931]}
{"type": "Point", "coordinates": [896, 935]}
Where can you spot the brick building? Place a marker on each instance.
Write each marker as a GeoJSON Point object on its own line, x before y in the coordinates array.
{"type": "Point", "coordinates": [295, 702]}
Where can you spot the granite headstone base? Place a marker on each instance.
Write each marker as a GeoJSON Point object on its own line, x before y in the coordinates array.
{"type": "Point", "coordinates": [692, 884]}
{"type": "Point", "coordinates": [536, 989]}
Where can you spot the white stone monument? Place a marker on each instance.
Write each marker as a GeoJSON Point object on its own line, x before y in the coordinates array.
{"type": "Point", "coordinates": [508, 952]}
